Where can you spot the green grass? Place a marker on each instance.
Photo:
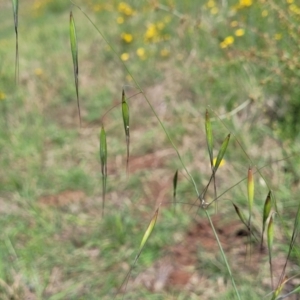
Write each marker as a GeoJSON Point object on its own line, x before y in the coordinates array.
{"type": "Point", "coordinates": [55, 242]}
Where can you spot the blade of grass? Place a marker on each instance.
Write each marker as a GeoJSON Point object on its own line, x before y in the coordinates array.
{"type": "Point", "coordinates": [103, 160]}
{"type": "Point", "coordinates": [240, 214]}
{"type": "Point", "coordinates": [147, 234]}
{"type": "Point", "coordinates": [279, 289]}
{"type": "Point", "coordinates": [294, 291]}
{"type": "Point", "coordinates": [15, 4]}
{"type": "Point", "coordinates": [74, 50]}
{"type": "Point", "coordinates": [244, 220]}
{"type": "Point", "coordinates": [175, 179]}
{"type": "Point", "coordinates": [223, 255]}
{"type": "Point", "coordinates": [292, 243]}
{"type": "Point", "coordinates": [270, 236]}
{"type": "Point", "coordinates": [250, 189]}
{"type": "Point", "coordinates": [215, 168]}
{"type": "Point", "coordinates": [266, 213]}
{"type": "Point", "coordinates": [141, 247]}
{"type": "Point", "coordinates": [221, 153]}
{"type": "Point", "coordinates": [125, 114]}
{"type": "Point", "coordinates": [209, 138]}
{"type": "Point", "coordinates": [209, 141]}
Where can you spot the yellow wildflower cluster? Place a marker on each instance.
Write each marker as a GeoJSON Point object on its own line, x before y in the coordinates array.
{"type": "Point", "coordinates": [229, 40]}
{"type": "Point", "coordinates": [127, 37]}
{"type": "Point", "coordinates": [125, 9]}
{"type": "Point", "coordinates": [294, 9]}
{"type": "Point", "coordinates": [154, 33]}
{"type": "Point", "coordinates": [211, 5]}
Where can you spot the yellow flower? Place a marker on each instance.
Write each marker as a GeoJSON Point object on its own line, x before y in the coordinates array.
{"type": "Point", "coordinates": [124, 56]}
{"type": "Point", "coordinates": [229, 40]}
{"type": "Point", "coordinates": [127, 37]}
{"type": "Point", "coordinates": [120, 20]}
{"type": "Point", "coordinates": [211, 4]}
{"type": "Point", "coordinates": [264, 13]}
{"type": "Point", "coordinates": [290, 1]}
{"type": "Point", "coordinates": [245, 3]}
{"type": "Point", "coordinates": [151, 33]}
{"type": "Point", "coordinates": [240, 32]}
{"type": "Point", "coordinates": [294, 9]}
{"type": "Point", "coordinates": [141, 53]}
{"type": "Point", "coordinates": [222, 163]}
{"type": "Point", "coordinates": [164, 52]}
{"type": "Point", "coordinates": [125, 9]}
{"type": "Point", "coordinates": [2, 96]}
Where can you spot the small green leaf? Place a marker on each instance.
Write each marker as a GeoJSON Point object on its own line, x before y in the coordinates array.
{"type": "Point", "coordinates": [266, 213]}
{"type": "Point", "coordinates": [103, 160]}
{"type": "Point", "coordinates": [147, 233]}
{"type": "Point", "coordinates": [125, 114]}
{"type": "Point", "coordinates": [221, 153]}
{"type": "Point", "coordinates": [209, 138]}
{"type": "Point", "coordinates": [270, 233]}
{"type": "Point", "coordinates": [74, 50]}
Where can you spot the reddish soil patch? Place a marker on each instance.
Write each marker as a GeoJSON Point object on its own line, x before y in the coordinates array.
{"type": "Point", "coordinates": [149, 161]}
{"type": "Point", "coordinates": [64, 198]}
{"type": "Point", "coordinates": [182, 267]}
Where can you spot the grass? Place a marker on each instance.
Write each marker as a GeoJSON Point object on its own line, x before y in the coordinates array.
{"type": "Point", "coordinates": [188, 59]}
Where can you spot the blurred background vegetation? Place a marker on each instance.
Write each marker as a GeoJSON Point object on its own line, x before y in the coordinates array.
{"type": "Point", "coordinates": [238, 58]}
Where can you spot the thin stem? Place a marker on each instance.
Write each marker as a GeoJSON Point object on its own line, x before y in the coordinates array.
{"type": "Point", "coordinates": [223, 255]}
